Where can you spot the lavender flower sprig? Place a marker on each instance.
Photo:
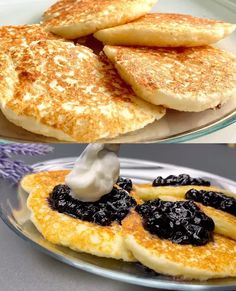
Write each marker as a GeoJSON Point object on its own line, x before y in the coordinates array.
{"type": "Point", "coordinates": [14, 170]}
{"type": "Point", "coordinates": [24, 149]}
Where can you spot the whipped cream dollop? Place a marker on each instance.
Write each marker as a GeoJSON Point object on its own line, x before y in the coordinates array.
{"type": "Point", "coordinates": [95, 172]}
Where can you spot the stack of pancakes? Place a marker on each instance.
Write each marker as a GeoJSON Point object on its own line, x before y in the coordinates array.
{"type": "Point", "coordinates": [52, 85]}
{"type": "Point", "coordinates": [130, 241]}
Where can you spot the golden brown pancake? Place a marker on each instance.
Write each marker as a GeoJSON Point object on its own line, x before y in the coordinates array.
{"type": "Point", "coordinates": [69, 93]}
{"type": "Point", "coordinates": [216, 259]}
{"type": "Point", "coordinates": [148, 192]}
{"type": "Point", "coordinates": [8, 77]}
{"type": "Point", "coordinates": [14, 39]}
{"type": "Point", "coordinates": [62, 229]}
{"type": "Point", "coordinates": [76, 18]}
{"type": "Point", "coordinates": [184, 79]}
{"type": "Point", "coordinates": [167, 30]}
{"type": "Point", "coordinates": [32, 181]}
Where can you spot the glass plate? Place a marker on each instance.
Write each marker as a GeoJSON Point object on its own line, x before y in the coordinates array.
{"type": "Point", "coordinates": [175, 126]}
{"type": "Point", "coordinates": [14, 213]}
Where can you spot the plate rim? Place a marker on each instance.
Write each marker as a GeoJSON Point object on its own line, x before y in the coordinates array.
{"type": "Point", "coordinates": [185, 135]}
{"type": "Point", "coordinates": [114, 275]}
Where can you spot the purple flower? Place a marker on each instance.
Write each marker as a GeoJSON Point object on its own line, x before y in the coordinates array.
{"type": "Point", "coordinates": [14, 170]}
{"type": "Point", "coordinates": [24, 149]}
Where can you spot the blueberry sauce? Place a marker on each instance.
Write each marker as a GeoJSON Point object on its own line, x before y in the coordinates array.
{"type": "Point", "coordinates": [111, 207]}
{"type": "Point", "coordinates": [181, 222]}
{"type": "Point", "coordinates": [125, 184]}
{"type": "Point", "coordinates": [181, 180]}
{"type": "Point", "coordinates": [216, 200]}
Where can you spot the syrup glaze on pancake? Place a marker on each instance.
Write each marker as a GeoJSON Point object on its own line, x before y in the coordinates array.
{"type": "Point", "coordinates": [68, 92]}
{"type": "Point", "coordinates": [167, 30]}
{"type": "Point", "coordinates": [77, 18]}
{"type": "Point", "coordinates": [62, 229]}
{"type": "Point", "coordinates": [185, 79]}
{"type": "Point", "coordinates": [216, 259]}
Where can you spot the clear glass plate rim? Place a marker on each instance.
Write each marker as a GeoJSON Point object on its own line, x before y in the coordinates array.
{"type": "Point", "coordinates": [203, 131]}
{"type": "Point", "coordinates": [147, 162]}
{"type": "Point", "coordinates": [157, 283]}
{"type": "Point", "coordinates": [80, 264]}
{"type": "Point", "coordinates": [178, 138]}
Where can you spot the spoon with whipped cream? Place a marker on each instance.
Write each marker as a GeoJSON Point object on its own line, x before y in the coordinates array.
{"type": "Point", "coordinates": [95, 172]}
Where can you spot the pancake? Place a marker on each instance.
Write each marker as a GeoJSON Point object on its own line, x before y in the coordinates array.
{"type": "Point", "coordinates": [76, 18]}
{"type": "Point", "coordinates": [8, 77]}
{"type": "Point", "coordinates": [184, 79]}
{"type": "Point", "coordinates": [148, 192]}
{"type": "Point", "coordinates": [167, 30]}
{"type": "Point", "coordinates": [62, 229]}
{"type": "Point", "coordinates": [225, 223]}
{"type": "Point", "coordinates": [14, 39]}
{"type": "Point", "coordinates": [69, 93]}
{"type": "Point", "coordinates": [216, 259]}
{"type": "Point", "coordinates": [32, 181]}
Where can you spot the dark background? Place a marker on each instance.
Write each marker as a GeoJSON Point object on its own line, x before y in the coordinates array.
{"type": "Point", "coordinates": [218, 159]}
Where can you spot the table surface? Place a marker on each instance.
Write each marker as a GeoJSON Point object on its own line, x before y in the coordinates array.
{"type": "Point", "coordinates": [22, 268]}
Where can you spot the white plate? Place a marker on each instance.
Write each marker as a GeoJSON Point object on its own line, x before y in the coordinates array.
{"type": "Point", "coordinates": [175, 126]}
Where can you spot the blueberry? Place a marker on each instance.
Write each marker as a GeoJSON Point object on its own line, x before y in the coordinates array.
{"type": "Point", "coordinates": [60, 192]}
{"type": "Point", "coordinates": [182, 222]}
{"type": "Point", "coordinates": [216, 200]}
{"type": "Point", "coordinates": [125, 184]}
{"type": "Point", "coordinates": [114, 206]}
{"type": "Point", "coordinates": [181, 180]}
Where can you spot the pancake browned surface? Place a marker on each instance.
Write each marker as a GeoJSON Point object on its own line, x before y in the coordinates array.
{"type": "Point", "coordinates": [32, 181]}
{"type": "Point", "coordinates": [62, 229]}
{"type": "Point", "coordinates": [216, 259]}
{"type": "Point", "coordinates": [148, 192]}
{"type": "Point", "coordinates": [167, 30]}
{"type": "Point", "coordinates": [14, 39]}
{"type": "Point", "coordinates": [185, 79]}
{"type": "Point", "coordinates": [8, 77]}
{"type": "Point", "coordinates": [68, 92]}
{"type": "Point", "coordinates": [75, 18]}
{"type": "Point", "coordinates": [225, 223]}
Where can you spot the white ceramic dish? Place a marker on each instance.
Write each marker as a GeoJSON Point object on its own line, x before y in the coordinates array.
{"type": "Point", "coordinates": [176, 126]}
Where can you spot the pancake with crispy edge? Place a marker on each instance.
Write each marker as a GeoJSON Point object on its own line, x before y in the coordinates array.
{"type": "Point", "coordinates": [76, 18]}
{"type": "Point", "coordinates": [62, 229]}
{"type": "Point", "coordinates": [15, 38]}
{"type": "Point", "coordinates": [8, 77]}
{"type": "Point", "coordinates": [216, 259]}
{"type": "Point", "coordinates": [184, 79]}
{"type": "Point", "coordinates": [167, 30]}
{"type": "Point", "coordinates": [67, 92]}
